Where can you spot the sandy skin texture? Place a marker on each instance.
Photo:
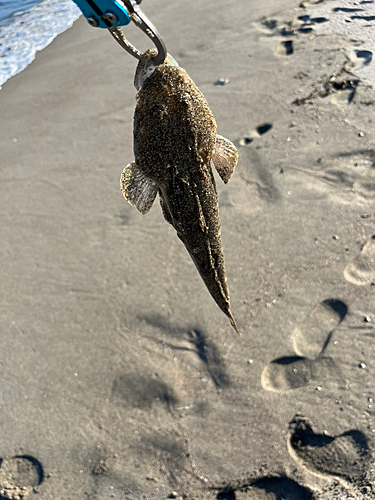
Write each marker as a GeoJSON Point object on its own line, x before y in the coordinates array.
{"type": "Point", "coordinates": [121, 378]}
{"type": "Point", "coordinates": [175, 147]}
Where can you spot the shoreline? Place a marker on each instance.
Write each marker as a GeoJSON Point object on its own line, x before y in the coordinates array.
{"type": "Point", "coordinates": [31, 31]}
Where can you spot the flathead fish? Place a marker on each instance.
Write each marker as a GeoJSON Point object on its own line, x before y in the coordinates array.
{"type": "Point", "coordinates": [175, 146]}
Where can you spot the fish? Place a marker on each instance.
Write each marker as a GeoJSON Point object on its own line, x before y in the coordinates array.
{"type": "Point", "coordinates": [175, 148]}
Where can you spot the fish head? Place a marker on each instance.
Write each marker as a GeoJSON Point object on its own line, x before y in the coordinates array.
{"type": "Point", "coordinates": [147, 66]}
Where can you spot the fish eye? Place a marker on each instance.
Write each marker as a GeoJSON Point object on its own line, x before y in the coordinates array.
{"type": "Point", "coordinates": [157, 112]}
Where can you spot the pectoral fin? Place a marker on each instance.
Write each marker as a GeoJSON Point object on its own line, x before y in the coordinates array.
{"type": "Point", "coordinates": [224, 158]}
{"type": "Point", "coordinates": [138, 189]}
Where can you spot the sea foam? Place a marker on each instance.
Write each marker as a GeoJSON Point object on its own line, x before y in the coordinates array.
{"type": "Point", "coordinates": [32, 31]}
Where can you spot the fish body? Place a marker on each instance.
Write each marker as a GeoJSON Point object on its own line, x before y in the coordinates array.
{"type": "Point", "coordinates": [175, 144]}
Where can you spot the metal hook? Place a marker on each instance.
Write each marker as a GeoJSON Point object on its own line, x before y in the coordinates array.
{"type": "Point", "coordinates": [142, 21]}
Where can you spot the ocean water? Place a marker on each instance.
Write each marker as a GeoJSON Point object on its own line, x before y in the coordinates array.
{"type": "Point", "coordinates": [27, 26]}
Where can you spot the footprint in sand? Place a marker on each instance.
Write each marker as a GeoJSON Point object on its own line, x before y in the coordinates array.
{"type": "Point", "coordinates": [254, 134]}
{"type": "Point", "coordinates": [288, 373]}
{"type": "Point", "coordinates": [285, 48]}
{"type": "Point", "coordinates": [18, 476]}
{"type": "Point", "coordinates": [365, 56]}
{"type": "Point", "coordinates": [361, 270]}
{"type": "Point", "coordinates": [309, 338]}
{"type": "Point", "coordinates": [306, 4]}
{"type": "Point", "coordinates": [364, 186]}
{"type": "Point", "coordinates": [345, 456]}
{"type": "Point", "coordinates": [268, 488]}
{"type": "Point", "coordinates": [342, 90]}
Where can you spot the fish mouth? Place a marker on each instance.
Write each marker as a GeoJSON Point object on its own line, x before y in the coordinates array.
{"type": "Point", "coordinates": [147, 66]}
{"type": "Point", "coordinates": [146, 72]}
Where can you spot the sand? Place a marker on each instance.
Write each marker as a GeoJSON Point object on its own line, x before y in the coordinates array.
{"type": "Point", "coordinates": [120, 377]}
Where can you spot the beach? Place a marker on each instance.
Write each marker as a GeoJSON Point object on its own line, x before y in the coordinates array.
{"type": "Point", "coordinates": [121, 378]}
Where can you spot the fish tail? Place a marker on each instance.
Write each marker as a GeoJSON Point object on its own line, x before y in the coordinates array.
{"type": "Point", "coordinates": [233, 323]}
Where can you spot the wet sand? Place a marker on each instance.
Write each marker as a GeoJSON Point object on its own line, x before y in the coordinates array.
{"type": "Point", "coordinates": [121, 378]}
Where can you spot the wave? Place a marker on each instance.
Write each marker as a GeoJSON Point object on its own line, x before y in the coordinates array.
{"type": "Point", "coordinates": [32, 31]}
